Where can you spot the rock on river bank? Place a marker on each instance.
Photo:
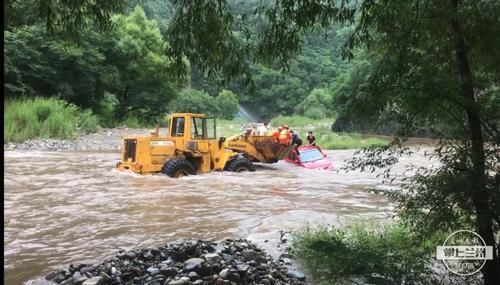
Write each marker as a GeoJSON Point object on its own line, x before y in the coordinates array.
{"type": "Point", "coordinates": [183, 263]}
{"type": "Point", "coordinates": [103, 140]}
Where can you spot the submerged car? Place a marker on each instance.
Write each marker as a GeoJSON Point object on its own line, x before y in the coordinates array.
{"type": "Point", "coordinates": [311, 157]}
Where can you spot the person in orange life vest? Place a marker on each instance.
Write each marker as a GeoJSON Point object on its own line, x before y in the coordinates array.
{"type": "Point", "coordinates": [285, 135]}
{"type": "Point", "coordinates": [276, 134]}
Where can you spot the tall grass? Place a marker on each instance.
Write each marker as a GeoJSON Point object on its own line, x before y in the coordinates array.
{"type": "Point", "coordinates": [366, 253]}
{"type": "Point", "coordinates": [45, 118]}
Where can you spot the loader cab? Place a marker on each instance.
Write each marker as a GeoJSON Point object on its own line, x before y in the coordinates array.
{"type": "Point", "coordinates": [192, 127]}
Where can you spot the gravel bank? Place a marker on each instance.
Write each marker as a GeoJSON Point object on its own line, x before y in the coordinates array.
{"type": "Point", "coordinates": [104, 140]}
{"type": "Point", "coordinates": [184, 263]}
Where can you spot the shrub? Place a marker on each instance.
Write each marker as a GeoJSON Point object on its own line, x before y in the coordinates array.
{"type": "Point", "coordinates": [44, 118]}
{"type": "Point", "coordinates": [134, 122]}
{"type": "Point", "coordinates": [88, 123]}
{"type": "Point", "coordinates": [370, 253]}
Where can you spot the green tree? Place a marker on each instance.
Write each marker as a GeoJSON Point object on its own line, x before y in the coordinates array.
{"type": "Point", "coordinates": [280, 92]}
{"type": "Point", "coordinates": [136, 49]}
{"type": "Point", "coordinates": [193, 101]}
{"type": "Point", "coordinates": [227, 104]}
{"type": "Point", "coordinates": [316, 105]}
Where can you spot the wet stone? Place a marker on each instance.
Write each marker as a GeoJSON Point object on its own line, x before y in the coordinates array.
{"type": "Point", "coordinates": [252, 255]}
{"type": "Point", "coordinates": [130, 255]}
{"type": "Point", "coordinates": [294, 273]}
{"type": "Point", "coordinates": [81, 280]}
{"type": "Point", "coordinates": [242, 266]}
{"type": "Point", "coordinates": [67, 282]}
{"type": "Point", "coordinates": [193, 276]}
{"type": "Point", "coordinates": [51, 275]}
{"type": "Point", "coordinates": [212, 258]}
{"type": "Point", "coordinates": [181, 281]}
{"type": "Point", "coordinates": [85, 269]}
{"type": "Point", "coordinates": [93, 281]}
{"type": "Point", "coordinates": [168, 271]}
{"type": "Point", "coordinates": [234, 277]}
{"type": "Point", "coordinates": [148, 255]}
{"type": "Point", "coordinates": [227, 257]}
{"type": "Point", "coordinates": [152, 270]}
{"type": "Point", "coordinates": [223, 274]}
{"type": "Point", "coordinates": [107, 267]}
{"type": "Point", "coordinates": [77, 275]}
{"type": "Point", "coordinates": [193, 263]}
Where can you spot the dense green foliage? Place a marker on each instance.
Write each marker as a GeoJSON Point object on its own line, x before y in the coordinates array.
{"type": "Point", "coordinates": [225, 105]}
{"type": "Point", "coordinates": [45, 118]}
{"type": "Point", "coordinates": [67, 17]}
{"type": "Point", "coordinates": [317, 105]}
{"type": "Point", "coordinates": [119, 74]}
{"type": "Point", "coordinates": [366, 253]}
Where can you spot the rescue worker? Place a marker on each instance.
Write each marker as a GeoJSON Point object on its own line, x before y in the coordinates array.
{"type": "Point", "coordinates": [276, 134]}
{"type": "Point", "coordinates": [311, 139]}
{"type": "Point", "coordinates": [285, 137]}
{"type": "Point", "coordinates": [296, 140]}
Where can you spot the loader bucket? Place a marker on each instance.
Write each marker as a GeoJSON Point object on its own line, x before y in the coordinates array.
{"type": "Point", "coordinates": [270, 150]}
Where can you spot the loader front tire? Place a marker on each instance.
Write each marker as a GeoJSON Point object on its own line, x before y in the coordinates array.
{"type": "Point", "coordinates": [178, 167]}
{"type": "Point", "coordinates": [240, 164]}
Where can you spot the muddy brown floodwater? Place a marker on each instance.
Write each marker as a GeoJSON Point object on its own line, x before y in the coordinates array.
{"type": "Point", "coordinates": [74, 207]}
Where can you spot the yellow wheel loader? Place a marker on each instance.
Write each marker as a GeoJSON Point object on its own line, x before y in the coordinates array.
{"type": "Point", "coordinates": [190, 146]}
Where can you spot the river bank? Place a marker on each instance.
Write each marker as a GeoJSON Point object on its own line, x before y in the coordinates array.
{"type": "Point", "coordinates": [103, 140]}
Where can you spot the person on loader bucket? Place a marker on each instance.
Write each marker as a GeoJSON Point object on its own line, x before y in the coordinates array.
{"type": "Point", "coordinates": [262, 129]}
{"type": "Point", "coordinates": [285, 136]}
{"type": "Point", "coordinates": [276, 134]}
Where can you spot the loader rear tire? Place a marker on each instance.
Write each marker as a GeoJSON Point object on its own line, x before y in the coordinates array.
{"type": "Point", "coordinates": [240, 164]}
{"type": "Point", "coordinates": [178, 167]}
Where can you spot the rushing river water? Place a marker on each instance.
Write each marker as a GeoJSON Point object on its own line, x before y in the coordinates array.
{"type": "Point", "coordinates": [69, 207]}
